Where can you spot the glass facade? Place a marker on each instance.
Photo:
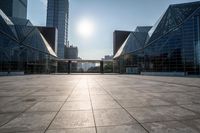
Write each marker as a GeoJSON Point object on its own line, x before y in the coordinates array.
{"type": "Point", "coordinates": [14, 8]}
{"type": "Point", "coordinates": [23, 48]}
{"type": "Point", "coordinates": [172, 45]}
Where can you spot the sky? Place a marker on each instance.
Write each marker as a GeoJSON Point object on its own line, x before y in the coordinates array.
{"type": "Point", "coordinates": [105, 16]}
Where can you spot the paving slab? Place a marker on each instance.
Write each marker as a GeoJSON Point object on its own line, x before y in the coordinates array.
{"type": "Point", "coordinates": [103, 103]}
{"type": "Point", "coordinates": [169, 127]}
{"type": "Point", "coordinates": [4, 118]}
{"type": "Point", "coordinates": [77, 130]}
{"type": "Point", "coordinates": [46, 106]}
{"type": "Point", "coordinates": [108, 117]}
{"type": "Point", "coordinates": [150, 114]}
{"type": "Point", "coordinates": [77, 105]}
{"type": "Point", "coordinates": [73, 119]}
{"type": "Point", "coordinates": [136, 128]}
{"type": "Point", "coordinates": [29, 122]}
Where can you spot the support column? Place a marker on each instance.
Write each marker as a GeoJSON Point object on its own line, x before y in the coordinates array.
{"type": "Point", "coordinates": [69, 67]}
{"type": "Point", "coordinates": [101, 67]}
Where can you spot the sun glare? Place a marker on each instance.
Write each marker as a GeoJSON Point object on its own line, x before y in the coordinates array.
{"type": "Point", "coordinates": [85, 28]}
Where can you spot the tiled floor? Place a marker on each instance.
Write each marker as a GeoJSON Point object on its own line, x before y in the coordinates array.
{"type": "Point", "coordinates": [99, 103]}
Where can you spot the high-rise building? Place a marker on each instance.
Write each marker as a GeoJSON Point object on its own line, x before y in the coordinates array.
{"type": "Point", "coordinates": [57, 16]}
{"type": "Point", "coordinates": [14, 8]}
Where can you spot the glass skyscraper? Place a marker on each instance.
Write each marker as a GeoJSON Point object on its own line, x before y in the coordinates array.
{"type": "Point", "coordinates": [172, 45]}
{"type": "Point", "coordinates": [14, 8]}
{"type": "Point", "coordinates": [57, 16]}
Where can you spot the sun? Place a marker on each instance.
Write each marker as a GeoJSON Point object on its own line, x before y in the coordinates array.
{"type": "Point", "coordinates": [85, 28]}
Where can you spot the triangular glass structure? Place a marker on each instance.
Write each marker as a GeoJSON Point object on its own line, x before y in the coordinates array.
{"type": "Point", "coordinates": [172, 18]}
{"type": "Point", "coordinates": [7, 26]}
{"type": "Point", "coordinates": [23, 31]}
{"type": "Point", "coordinates": [38, 42]}
{"type": "Point", "coordinates": [21, 21]}
{"type": "Point", "coordinates": [48, 47]}
{"type": "Point", "coordinates": [143, 28]}
{"type": "Point", "coordinates": [135, 41]}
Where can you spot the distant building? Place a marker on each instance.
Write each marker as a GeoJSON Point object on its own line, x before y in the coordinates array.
{"type": "Point", "coordinates": [107, 57]}
{"type": "Point", "coordinates": [57, 16]}
{"type": "Point", "coordinates": [14, 8]}
{"type": "Point", "coordinates": [118, 39]}
{"type": "Point", "coordinates": [71, 52]}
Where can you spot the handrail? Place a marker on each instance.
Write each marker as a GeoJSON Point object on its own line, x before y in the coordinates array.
{"type": "Point", "coordinates": [80, 60]}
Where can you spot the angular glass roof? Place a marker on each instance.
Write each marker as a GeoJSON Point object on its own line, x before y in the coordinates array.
{"type": "Point", "coordinates": [21, 21]}
{"type": "Point", "coordinates": [7, 26]}
{"type": "Point", "coordinates": [36, 40]}
{"type": "Point", "coordinates": [6, 19]}
{"type": "Point", "coordinates": [23, 31]}
{"type": "Point", "coordinates": [172, 18]}
{"type": "Point", "coordinates": [50, 50]}
{"type": "Point", "coordinates": [135, 41]}
{"type": "Point", "coordinates": [143, 28]}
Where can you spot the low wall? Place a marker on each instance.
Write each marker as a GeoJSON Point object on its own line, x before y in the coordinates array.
{"type": "Point", "coordinates": [164, 73]}
{"type": "Point", "coordinates": [11, 73]}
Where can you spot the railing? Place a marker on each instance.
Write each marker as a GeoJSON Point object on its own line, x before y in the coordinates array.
{"type": "Point", "coordinates": [84, 66]}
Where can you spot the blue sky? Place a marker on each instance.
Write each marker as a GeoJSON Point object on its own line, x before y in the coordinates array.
{"type": "Point", "coordinates": [107, 16]}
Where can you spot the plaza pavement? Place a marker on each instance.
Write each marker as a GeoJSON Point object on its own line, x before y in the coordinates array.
{"type": "Point", "coordinates": [99, 103]}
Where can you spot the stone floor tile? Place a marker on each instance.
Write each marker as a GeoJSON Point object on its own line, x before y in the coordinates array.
{"type": "Point", "coordinates": [194, 124]}
{"type": "Point", "coordinates": [55, 98]}
{"type": "Point", "coordinates": [150, 114]}
{"type": "Point", "coordinates": [169, 127]}
{"type": "Point", "coordinates": [76, 130]}
{"type": "Point", "coordinates": [149, 99]}
{"type": "Point", "coordinates": [193, 107]}
{"type": "Point", "coordinates": [6, 117]}
{"type": "Point", "coordinates": [136, 128]}
{"type": "Point", "coordinates": [5, 100]}
{"type": "Point", "coordinates": [31, 132]}
{"type": "Point", "coordinates": [108, 117]}
{"type": "Point", "coordinates": [16, 107]}
{"type": "Point", "coordinates": [105, 104]}
{"type": "Point", "coordinates": [180, 113]}
{"type": "Point", "coordinates": [142, 102]}
{"type": "Point", "coordinates": [29, 122]}
{"type": "Point", "coordinates": [101, 97]}
{"type": "Point", "coordinates": [77, 105]}
{"type": "Point", "coordinates": [79, 98]}
{"type": "Point", "coordinates": [46, 106]}
{"type": "Point", "coordinates": [73, 119]}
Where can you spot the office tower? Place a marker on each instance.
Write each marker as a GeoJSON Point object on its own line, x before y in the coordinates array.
{"type": "Point", "coordinates": [57, 16]}
{"type": "Point", "coordinates": [14, 8]}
